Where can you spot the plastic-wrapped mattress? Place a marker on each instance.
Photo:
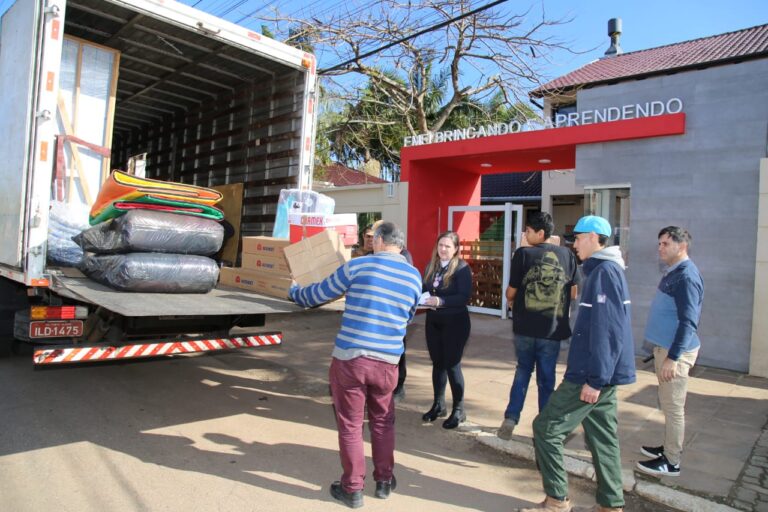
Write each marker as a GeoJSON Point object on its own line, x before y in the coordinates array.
{"type": "Point", "coordinates": [153, 231]}
{"type": "Point", "coordinates": [153, 272]}
{"type": "Point", "coordinates": [64, 222]}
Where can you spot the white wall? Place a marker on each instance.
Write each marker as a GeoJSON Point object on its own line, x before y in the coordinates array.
{"type": "Point", "coordinates": [758, 360]}
{"type": "Point", "coordinates": [373, 198]}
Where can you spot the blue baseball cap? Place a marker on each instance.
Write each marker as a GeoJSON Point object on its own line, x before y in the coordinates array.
{"type": "Point", "coordinates": [593, 224]}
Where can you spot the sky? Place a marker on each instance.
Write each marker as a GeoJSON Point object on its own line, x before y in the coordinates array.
{"type": "Point", "coordinates": [646, 23]}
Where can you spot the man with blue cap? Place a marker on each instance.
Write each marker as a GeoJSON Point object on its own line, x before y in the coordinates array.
{"type": "Point", "coordinates": [601, 357]}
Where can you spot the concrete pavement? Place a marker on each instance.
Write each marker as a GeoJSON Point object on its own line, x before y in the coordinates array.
{"type": "Point", "coordinates": [725, 463]}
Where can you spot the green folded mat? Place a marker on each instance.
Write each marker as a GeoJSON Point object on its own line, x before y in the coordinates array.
{"type": "Point", "coordinates": [118, 208]}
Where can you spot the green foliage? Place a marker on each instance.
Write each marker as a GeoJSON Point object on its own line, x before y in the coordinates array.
{"type": "Point", "coordinates": [300, 38]}
{"type": "Point", "coordinates": [266, 32]}
{"type": "Point", "coordinates": [372, 126]}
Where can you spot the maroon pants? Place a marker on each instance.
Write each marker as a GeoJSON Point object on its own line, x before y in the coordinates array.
{"type": "Point", "coordinates": [354, 384]}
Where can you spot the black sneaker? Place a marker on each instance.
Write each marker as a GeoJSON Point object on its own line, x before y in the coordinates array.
{"type": "Point", "coordinates": [659, 467]}
{"type": "Point", "coordinates": [383, 489]}
{"type": "Point", "coordinates": [653, 452]}
{"type": "Point", "coordinates": [352, 499]}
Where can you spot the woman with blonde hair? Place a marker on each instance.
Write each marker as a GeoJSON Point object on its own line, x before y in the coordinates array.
{"type": "Point", "coordinates": [448, 279]}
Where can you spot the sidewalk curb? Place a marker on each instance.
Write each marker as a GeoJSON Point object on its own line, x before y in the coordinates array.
{"type": "Point", "coordinates": [522, 448]}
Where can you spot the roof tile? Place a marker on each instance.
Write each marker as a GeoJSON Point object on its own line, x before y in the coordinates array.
{"type": "Point", "coordinates": [746, 43]}
{"type": "Point", "coordinates": [342, 176]}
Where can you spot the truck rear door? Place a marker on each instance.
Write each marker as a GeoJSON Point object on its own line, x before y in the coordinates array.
{"type": "Point", "coordinates": [30, 50]}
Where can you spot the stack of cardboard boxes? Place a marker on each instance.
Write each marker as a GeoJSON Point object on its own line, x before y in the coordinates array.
{"type": "Point", "coordinates": [315, 258]}
{"type": "Point", "coordinates": [269, 265]}
{"type": "Point", "coordinates": [264, 267]}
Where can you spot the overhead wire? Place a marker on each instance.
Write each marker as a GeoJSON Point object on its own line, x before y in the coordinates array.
{"type": "Point", "coordinates": [412, 36]}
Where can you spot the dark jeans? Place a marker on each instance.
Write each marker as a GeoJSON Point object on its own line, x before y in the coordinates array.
{"type": "Point", "coordinates": [540, 353]}
{"type": "Point", "coordinates": [446, 338]}
{"type": "Point", "coordinates": [355, 384]}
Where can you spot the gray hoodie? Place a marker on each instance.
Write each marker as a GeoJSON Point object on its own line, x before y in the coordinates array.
{"type": "Point", "coordinates": [612, 253]}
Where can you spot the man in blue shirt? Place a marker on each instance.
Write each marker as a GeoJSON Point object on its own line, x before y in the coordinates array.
{"type": "Point", "coordinates": [671, 329]}
{"type": "Point", "coordinates": [382, 290]}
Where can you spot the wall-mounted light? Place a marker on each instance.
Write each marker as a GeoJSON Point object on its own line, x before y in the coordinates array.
{"type": "Point", "coordinates": [545, 161]}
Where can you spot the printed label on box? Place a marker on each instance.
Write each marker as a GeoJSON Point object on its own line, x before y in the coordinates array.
{"type": "Point", "coordinates": [264, 245]}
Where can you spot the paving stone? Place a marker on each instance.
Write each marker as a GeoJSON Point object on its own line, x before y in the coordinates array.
{"type": "Point", "coordinates": [751, 480]}
{"type": "Point", "coordinates": [752, 487]}
{"type": "Point", "coordinates": [743, 505]}
{"type": "Point", "coordinates": [761, 507]}
{"type": "Point", "coordinates": [745, 494]}
{"type": "Point", "coordinates": [753, 471]}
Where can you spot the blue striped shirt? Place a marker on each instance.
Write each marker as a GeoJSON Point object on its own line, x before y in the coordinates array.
{"type": "Point", "coordinates": [382, 290]}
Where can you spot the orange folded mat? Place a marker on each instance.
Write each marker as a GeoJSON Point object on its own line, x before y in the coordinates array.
{"type": "Point", "coordinates": [123, 187]}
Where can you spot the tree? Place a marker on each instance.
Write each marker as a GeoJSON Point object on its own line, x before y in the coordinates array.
{"type": "Point", "coordinates": [430, 83]}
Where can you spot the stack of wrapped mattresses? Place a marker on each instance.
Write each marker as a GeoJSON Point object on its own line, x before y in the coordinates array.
{"type": "Point", "coordinates": [153, 236]}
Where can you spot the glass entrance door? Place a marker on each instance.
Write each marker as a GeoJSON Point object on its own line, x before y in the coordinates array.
{"type": "Point", "coordinates": [488, 250]}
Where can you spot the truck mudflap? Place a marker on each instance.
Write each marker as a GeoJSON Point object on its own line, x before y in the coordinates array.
{"type": "Point", "coordinates": [54, 355]}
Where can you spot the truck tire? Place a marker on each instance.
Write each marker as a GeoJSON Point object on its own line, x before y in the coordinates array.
{"type": "Point", "coordinates": [13, 297]}
{"type": "Point", "coordinates": [6, 347]}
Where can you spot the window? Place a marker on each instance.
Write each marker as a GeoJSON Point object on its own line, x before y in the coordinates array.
{"type": "Point", "coordinates": [563, 110]}
{"type": "Point", "coordinates": [611, 202]}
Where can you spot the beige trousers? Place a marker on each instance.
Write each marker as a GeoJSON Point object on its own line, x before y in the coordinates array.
{"type": "Point", "coordinates": [672, 401]}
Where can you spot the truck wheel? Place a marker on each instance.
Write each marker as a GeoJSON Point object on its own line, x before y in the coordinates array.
{"type": "Point", "coordinates": [21, 348]}
{"type": "Point", "coordinates": [6, 347]}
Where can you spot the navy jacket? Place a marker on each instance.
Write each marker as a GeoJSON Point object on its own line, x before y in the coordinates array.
{"type": "Point", "coordinates": [602, 352]}
{"type": "Point", "coordinates": [455, 296]}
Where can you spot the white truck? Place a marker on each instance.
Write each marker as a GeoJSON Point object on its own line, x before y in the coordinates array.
{"type": "Point", "coordinates": [210, 102]}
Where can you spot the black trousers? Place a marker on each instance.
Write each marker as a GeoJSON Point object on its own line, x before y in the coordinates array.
{"type": "Point", "coordinates": [447, 335]}
{"type": "Point", "coordinates": [402, 371]}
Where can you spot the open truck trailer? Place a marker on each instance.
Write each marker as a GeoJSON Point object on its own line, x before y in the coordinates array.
{"type": "Point", "coordinates": [210, 102]}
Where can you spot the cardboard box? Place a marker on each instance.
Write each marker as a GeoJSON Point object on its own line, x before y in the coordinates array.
{"type": "Point", "coordinates": [305, 225]}
{"type": "Point", "coordinates": [266, 245]}
{"type": "Point", "coordinates": [274, 265]}
{"type": "Point", "coordinates": [317, 257]}
{"type": "Point", "coordinates": [255, 281]}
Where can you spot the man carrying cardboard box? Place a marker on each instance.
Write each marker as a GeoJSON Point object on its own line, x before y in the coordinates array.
{"type": "Point", "coordinates": [381, 290]}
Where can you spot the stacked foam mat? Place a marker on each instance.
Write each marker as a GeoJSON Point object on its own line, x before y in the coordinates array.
{"type": "Point", "coordinates": [153, 236]}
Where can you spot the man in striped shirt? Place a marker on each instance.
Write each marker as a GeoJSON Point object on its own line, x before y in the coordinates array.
{"type": "Point", "coordinates": [382, 291]}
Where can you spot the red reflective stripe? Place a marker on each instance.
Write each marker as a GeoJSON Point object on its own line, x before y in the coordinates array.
{"type": "Point", "coordinates": [102, 353]}
{"type": "Point", "coordinates": [89, 353]}
{"type": "Point", "coordinates": [140, 350]}
{"type": "Point", "coordinates": [123, 351]}
{"type": "Point", "coordinates": [72, 353]}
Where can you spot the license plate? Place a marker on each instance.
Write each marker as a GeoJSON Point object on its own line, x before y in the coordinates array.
{"type": "Point", "coordinates": [57, 329]}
